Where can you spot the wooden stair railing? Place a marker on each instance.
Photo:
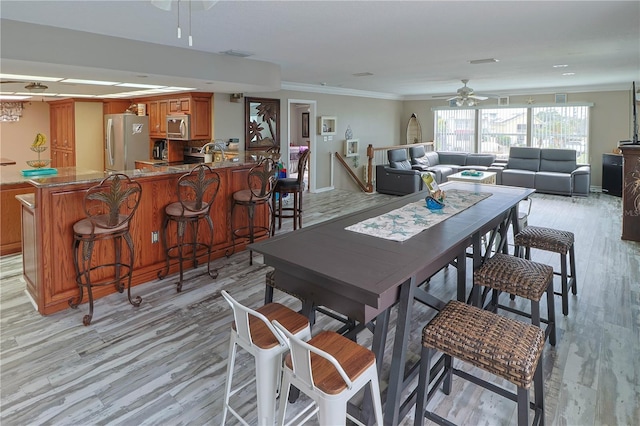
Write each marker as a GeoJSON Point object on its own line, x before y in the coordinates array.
{"type": "Point", "coordinates": [365, 187]}
{"type": "Point", "coordinates": [371, 157]}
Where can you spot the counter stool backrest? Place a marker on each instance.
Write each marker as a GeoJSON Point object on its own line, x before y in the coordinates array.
{"type": "Point", "coordinates": [302, 165]}
{"type": "Point", "coordinates": [241, 317]}
{"type": "Point", "coordinates": [301, 358]}
{"type": "Point", "coordinates": [197, 190]}
{"type": "Point", "coordinates": [111, 203]}
{"type": "Point", "coordinates": [261, 179]}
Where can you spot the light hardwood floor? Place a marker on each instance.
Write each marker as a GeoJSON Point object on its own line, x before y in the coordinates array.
{"type": "Point", "coordinates": [165, 362]}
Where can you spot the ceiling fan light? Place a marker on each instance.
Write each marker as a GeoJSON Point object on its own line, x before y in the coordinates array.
{"type": "Point", "coordinates": [36, 87]}
{"type": "Point", "coordinates": [459, 102]}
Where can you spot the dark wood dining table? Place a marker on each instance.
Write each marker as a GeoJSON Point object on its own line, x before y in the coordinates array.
{"type": "Point", "coordinates": [362, 276]}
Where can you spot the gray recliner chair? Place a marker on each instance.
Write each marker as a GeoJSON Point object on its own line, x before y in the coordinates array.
{"type": "Point", "coordinates": [397, 177]}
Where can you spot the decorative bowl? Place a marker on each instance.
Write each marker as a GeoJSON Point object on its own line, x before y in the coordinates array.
{"type": "Point", "coordinates": [38, 164]}
{"type": "Point", "coordinates": [433, 204]}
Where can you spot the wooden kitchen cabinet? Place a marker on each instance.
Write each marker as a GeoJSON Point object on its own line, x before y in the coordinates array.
{"type": "Point", "coordinates": [201, 113]}
{"type": "Point", "coordinates": [197, 105]}
{"type": "Point", "coordinates": [157, 118]}
{"type": "Point", "coordinates": [182, 106]}
{"type": "Point", "coordinates": [76, 134]}
{"type": "Point", "coordinates": [61, 121]}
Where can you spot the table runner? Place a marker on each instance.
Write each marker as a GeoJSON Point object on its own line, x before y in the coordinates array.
{"type": "Point", "coordinates": [407, 221]}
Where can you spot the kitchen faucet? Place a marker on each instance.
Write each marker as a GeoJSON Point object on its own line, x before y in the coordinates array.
{"type": "Point", "coordinates": [215, 145]}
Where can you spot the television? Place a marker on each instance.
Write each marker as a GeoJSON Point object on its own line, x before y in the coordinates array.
{"type": "Point", "coordinates": [635, 99]}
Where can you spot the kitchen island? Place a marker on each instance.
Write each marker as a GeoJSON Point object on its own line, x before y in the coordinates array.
{"type": "Point", "coordinates": [49, 216]}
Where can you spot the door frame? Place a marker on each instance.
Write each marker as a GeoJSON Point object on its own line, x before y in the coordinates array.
{"type": "Point", "coordinates": [312, 137]}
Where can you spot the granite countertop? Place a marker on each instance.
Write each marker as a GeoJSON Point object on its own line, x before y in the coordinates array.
{"type": "Point", "coordinates": [66, 175]}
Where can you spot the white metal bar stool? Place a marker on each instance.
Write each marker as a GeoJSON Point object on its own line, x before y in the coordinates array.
{"type": "Point", "coordinates": [252, 330]}
{"type": "Point", "coordinates": [330, 369]}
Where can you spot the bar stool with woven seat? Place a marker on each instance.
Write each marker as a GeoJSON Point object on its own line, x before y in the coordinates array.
{"type": "Point", "coordinates": [260, 183]}
{"type": "Point", "coordinates": [293, 186]}
{"type": "Point", "coordinates": [197, 191]}
{"type": "Point", "coordinates": [502, 346]}
{"type": "Point", "coordinates": [557, 241]}
{"type": "Point", "coordinates": [519, 277]}
{"type": "Point", "coordinates": [109, 207]}
{"type": "Point", "coordinates": [330, 369]}
{"type": "Point", "coordinates": [253, 331]}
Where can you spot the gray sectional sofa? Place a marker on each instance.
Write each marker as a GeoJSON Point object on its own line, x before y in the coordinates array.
{"type": "Point", "coordinates": [443, 163]}
{"type": "Point", "coordinates": [548, 170]}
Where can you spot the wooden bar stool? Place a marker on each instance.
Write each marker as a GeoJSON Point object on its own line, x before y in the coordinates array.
{"type": "Point", "coordinates": [252, 330]}
{"type": "Point", "coordinates": [197, 191]}
{"type": "Point", "coordinates": [519, 277]}
{"type": "Point", "coordinates": [505, 347]}
{"type": "Point", "coordinates": [293, 186]}
{"type": "Point", "coordinates": [109, 207]}
{"type": "Point", "coordinates": [330, 369]}
{"type": "Point", "coordinates": [260, 184]}
{"type": "Point", "coordinates": [556, 241]}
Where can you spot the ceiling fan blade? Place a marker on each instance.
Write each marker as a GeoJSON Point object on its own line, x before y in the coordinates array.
{"type": "Point", "coordinates": [440, 96]}
{"type": "Point", "coordinates": [478, 97]}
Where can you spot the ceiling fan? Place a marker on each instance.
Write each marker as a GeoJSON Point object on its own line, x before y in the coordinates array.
{"type": "Point", "coordinates": [34, 87]}
{"type": "Point", "coordinates": [466, 96]}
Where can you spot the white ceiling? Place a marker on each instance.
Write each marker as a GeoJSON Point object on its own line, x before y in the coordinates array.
{"type": "Point", "coordinates": [414, 49]}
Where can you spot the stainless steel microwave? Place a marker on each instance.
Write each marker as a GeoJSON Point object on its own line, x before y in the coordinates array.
{"type": "Point", "coordinates": [179, 127]}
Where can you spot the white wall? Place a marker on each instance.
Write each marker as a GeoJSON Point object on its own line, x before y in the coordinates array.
{"type": "Point", "coordinates": [373, 121]}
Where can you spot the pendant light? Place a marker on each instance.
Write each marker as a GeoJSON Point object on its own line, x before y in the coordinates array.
{"type": "Point", "coordinates": [193, 5]}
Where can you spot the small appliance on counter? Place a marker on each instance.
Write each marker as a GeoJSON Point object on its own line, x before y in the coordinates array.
{"type": "Point", "coordinates": [159, 150]}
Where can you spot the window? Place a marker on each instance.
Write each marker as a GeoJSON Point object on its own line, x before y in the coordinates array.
{"type": "Point", "coordinates": [455, 129]}
{"type": "Point", "coordinates": [562, 127]}
{"type": "Point", "coordinates": [501, 129]}
{"type": "Point", "coordinates": [498, 129]}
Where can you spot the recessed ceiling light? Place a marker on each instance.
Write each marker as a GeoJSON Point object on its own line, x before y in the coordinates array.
{"type": "Point", "coordinates": [36, 94]}
{"type": "Point", "coordinates": [93, 82]}
{"type": "Point", "coordinates": [75, 95]}
{"type": "Point", "coordinates": [560, 66]}
{"type": "Point", "coordinates": [568, 73]}
{"type": "Point", "coordinates": [28, 77]}
{"type": "Point", "coordinates": [14, 97]}
{"type": "Point", "coordinates": [484, 61]}
{"type": "Point", "coordinates": [140, 86]}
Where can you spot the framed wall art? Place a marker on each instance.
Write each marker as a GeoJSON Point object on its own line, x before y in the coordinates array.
{"type": "Point", "coordinates": [305, 124]}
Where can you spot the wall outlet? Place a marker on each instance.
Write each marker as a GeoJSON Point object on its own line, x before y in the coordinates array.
{"type": "Point", "coordinates": [154, 237]}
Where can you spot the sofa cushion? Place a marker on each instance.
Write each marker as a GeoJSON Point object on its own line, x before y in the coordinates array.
{"type": "Point", "coordinates": [485, 160]}
{"type": "Point", "coordinates": [398, 159]}
{"type": "Point", "coordinates": [553, 183]}
{"type": "Point", "coordinates": [432, 157]}
{"type": "Point", "coordinates": [452, 158]}
{"type": "Point", "coordinates": [521, 178]}
{"type": "Point", "coordinates": [558, 160]}
{"type": "Point", "coordinates": [524, 159]}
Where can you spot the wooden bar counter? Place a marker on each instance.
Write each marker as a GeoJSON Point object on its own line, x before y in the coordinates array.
{"type": "Point", "coordinates": [57, 205]}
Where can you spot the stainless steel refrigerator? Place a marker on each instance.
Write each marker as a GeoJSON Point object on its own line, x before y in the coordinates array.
{"type": "Point", "coordinates": [126, 140]}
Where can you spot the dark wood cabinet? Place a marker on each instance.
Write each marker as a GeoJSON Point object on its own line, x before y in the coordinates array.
{"type": "Point", "coordinates": [612, 174]}
{"type": "Point", "coordinates": [631, 192]}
